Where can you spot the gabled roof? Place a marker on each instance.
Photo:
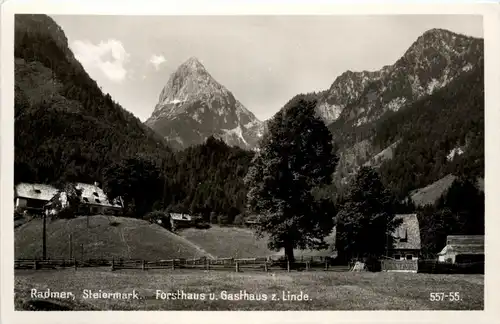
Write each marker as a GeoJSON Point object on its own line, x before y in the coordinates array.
{"type": "Point", "coordinates": [92, 194]}
{"type": "Point", "coordinates": [407, 235]}
{"type": "Point", "coordinates": [464, 239]}
{"type": "Point", "coordinates": [35, 191]}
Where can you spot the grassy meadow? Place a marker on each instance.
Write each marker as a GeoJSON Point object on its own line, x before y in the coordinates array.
{"type": "Point", "coordinates": [234, 242]}
{"type": "Point", "coordinates": [105, 237]}
{"type": "Point", "coordinates": [326, 290]}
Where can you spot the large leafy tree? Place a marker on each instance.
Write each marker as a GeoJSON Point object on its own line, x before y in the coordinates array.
{"type": "Point", "coordinates": [295, 157]}
{"type": "Point", "coordinates": [366, 217]}
{"type": "Point", "coordinates": [137, 181]}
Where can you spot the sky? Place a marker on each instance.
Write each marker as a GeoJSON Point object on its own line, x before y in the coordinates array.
{"type": "Point", "coordinates": [263, 60]}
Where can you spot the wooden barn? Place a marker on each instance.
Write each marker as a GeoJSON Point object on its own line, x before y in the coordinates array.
{"type": "Point", "coordinates": [463, 249]}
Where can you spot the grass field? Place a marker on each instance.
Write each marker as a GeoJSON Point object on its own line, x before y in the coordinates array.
{"type": "Point", "coordinates": [105, 237]}
{"type": "Point", "coordinates": [326, 290]}
{"type": "Point", "coordinates": [228, 242]}
{"type": "Point", "coordinates": [233, 242]}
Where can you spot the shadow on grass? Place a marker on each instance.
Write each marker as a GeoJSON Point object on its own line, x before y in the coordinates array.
{"type": "Point", "coordinates": [44, 305]}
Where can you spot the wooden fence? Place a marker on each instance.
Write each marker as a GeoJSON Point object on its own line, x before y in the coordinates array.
{"type": "Point", "coordinates": [231, 264]}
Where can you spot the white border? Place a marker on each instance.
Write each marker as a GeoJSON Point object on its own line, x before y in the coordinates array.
{"type": "Point", "coordinates": [491, 21]}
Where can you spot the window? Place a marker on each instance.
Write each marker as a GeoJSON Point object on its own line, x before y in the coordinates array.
{"type": "Point", "coordinates": [96, 194]}
{"type": "Point", "coordinates": [85, 199]}
{"type": "Point", "coordinates": [409, 257]}
{"type": "Point", "coordinates": [38, 191]}
{"type": "Point", "coordinates": [97, 201]}
{"type": "Point", "coordinates": [35, 203]}
{"type": "Point", "coordinates": [397, 256]}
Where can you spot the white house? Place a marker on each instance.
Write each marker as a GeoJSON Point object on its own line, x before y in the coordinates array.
{"type": "Point", "coordinates": [33, 196]}
{"type": "Point", "coordinates": [95, 201]}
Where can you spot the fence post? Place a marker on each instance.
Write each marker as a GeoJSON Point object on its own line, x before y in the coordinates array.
{"type": "Point", "coordinates": [173, 264]}
{"type": "Point", "coordinates": [307, 266]}
{"type": "Point", "coordinates": [265, 266]}
{"type": "Point", "coordinates": [35, 265]}
{"type": "Point", "coordinates": [237, 267]}
{"type": "Point", "coordinates": [113, 264]}
{"type": "Point", "coordinates": [143, 265]}
{"type": "Point", "coordinates": [326, 265]}
{"type": "Point", "coordinates": [288, 265]}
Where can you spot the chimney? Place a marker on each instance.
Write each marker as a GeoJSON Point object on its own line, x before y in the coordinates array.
{"type": "Point", "coordinates": [96, 184]}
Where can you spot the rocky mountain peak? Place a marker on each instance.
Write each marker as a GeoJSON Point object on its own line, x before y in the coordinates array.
{"type": "Point", "coordinates": [193, 64]}
{"type": "Point", "coordinates": [190, 80]}
{"type": "Point", "coordinates": [193, 106]}
{"type": "Point", "coordinates": [433, 60]}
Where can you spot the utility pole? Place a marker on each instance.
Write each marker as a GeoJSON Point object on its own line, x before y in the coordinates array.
{"type": "Point", "coordinates": [44, 237]}
{"type": "Point", "coordinates": [164, 184]}
{"type": "Point", "coordinates": [70, 246]}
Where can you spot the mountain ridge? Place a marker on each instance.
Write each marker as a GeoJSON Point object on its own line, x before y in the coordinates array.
{"type": "Point", "coordinates": [359, 97]}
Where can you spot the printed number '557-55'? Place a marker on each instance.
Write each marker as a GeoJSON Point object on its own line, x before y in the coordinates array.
{"type": "Point", "coordinates": [451, 296]}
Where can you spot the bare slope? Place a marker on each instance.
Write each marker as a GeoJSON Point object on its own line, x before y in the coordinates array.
{"type": "Point", "coordinates": [430, 194]}
{"type": "Point", "coordinates": [227, 242]}
{"type": "Point", "coordinates": [106, 237]}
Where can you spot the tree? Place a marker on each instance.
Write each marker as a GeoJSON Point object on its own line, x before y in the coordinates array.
{"type": "Point", "coordinates": [466, 202]}
{"type": "Point", "coordinates": [66, 201]}
{"type": "Point", "coordinates": [365, 218]}
{"type": "Point", "coordinates": [295, 157]}
{"type": "Point", "coordinates": [137, 181]}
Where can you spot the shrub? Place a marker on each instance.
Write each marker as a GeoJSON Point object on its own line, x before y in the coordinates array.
{"type": "Point", "coordinates": [18, 213]}
{"type": "Point", "coordinates": [239, 220]}
{"type": "Point", "coordinates": [373, 264]}
{"type": "Point", "coordinates": [66, 213]}
{"type": "Point", "coordinates": [213, 218]}
{"type": "Point", "coordinates": [202, 225]}
{"type": "Point", "coordinates": [158, 217]}
{"type": "Point", "coordinates": [223, 219]}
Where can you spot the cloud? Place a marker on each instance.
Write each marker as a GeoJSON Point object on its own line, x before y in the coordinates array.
{"type": "Point", "coordinates": [157, 60]}
{"type": "Point", "coordinates": [108, 57]}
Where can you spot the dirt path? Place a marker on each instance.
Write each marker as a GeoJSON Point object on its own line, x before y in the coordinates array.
{"type": "Point", "coordinates": [124, 240]}
{"type": "Point", "coordinates": [199, 249]}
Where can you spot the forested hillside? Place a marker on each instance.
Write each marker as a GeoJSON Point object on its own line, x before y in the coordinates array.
{"type": "Point", "coordinates": [439, 135]}
{"type": "Point", "coordinates": [209, 178]}
{"type": "Point", "coordinates": [65, 127]}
